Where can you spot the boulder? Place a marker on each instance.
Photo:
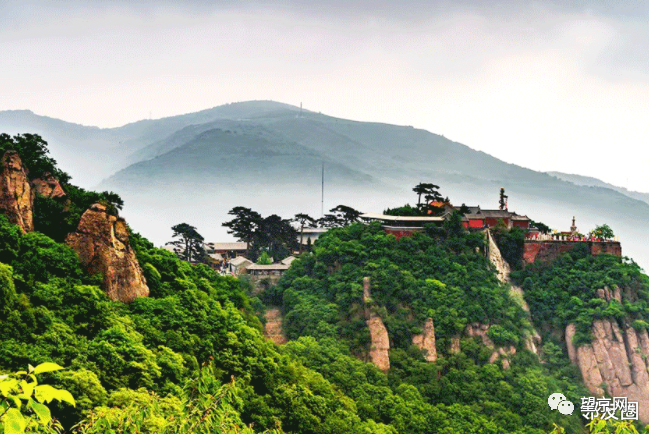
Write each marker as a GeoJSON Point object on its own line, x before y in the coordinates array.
{"type": "Point", "coordinates": [102, 243]}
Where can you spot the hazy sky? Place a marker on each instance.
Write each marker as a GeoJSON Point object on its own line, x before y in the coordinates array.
{"type": "Point", "coordinates": [546, 85]}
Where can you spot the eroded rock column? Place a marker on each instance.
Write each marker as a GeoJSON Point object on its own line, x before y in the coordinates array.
{"type": "Point", "coordinates": [380, 341]}
{"type": "Point", "coordinates": [101, 241]}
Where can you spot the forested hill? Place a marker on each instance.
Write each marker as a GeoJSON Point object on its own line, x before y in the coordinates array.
{"type": "Point", "coordinates": [268, 156]}
{"type": "Point", "coordinates": [430, 312]}
{"type": "Point", "coordinates": [449, 345]}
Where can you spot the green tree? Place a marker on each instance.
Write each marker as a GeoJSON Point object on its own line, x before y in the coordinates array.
{"type": "Point", "coordinates": [7, 289]}
{"type": "Point", "coordinates": [464, 210]}
{"type": "Point", "coordinates": [542, 227]}
{"type": "Point", "coordinates": [304, 220]}
{"type": "Point", "coordinates": [430, 193]}
{"type": "Point", "coordinates": [113, 199]}
{"type": "Point", "coordinates": [276, 235]}
{"type": "Point", "coordinates": [407, 210]}
{"type": "Point", "coordinates": [345, 214]}
{"type": "Point", "coordinates": [33, 153]}
{"type": "Point", "coordinates": [244, 225]}
{"type": "Point", "coordinates": [190, 245]}
{"type": "Point", "coordinates": [604, 232]}
{"type": "Point", "coordinates": [424, 189]}
{"type": "Point", "coordinates": [330, 221]}
{"type": "Point", "coordinates": [264, 259]}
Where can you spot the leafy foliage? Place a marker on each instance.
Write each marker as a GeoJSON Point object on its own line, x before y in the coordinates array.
{"type": "Point", "coordinates": [604, 232]}
{"type": "Point", "coordinates": [206, 406]}
{"type": "Point", "coordinates": [511, 245]}
{"type": "Point", "coordinates": [23, 401]}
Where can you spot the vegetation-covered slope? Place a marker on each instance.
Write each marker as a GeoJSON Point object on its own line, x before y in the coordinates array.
{"type": "Point", "coordinates": [195, 346]}
{"type": "Point", "coordinates": [439, 275]}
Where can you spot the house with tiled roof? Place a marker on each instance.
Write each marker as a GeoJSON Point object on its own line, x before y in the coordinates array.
{"type": "Point", "coordinates": [237, 265]}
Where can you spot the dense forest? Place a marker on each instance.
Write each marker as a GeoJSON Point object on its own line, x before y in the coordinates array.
{"type": "Point", "coordinates": [191, 357]}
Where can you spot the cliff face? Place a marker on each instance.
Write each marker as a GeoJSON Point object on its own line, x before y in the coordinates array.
{"type": "Point", "coordinates": [532, 338]}
{"type": "Point", "coordinates": [101, 241]}
{"type": "Point", "coordinates": [615, 361]}
{"type": "Point", "coordinates": [16, 195]}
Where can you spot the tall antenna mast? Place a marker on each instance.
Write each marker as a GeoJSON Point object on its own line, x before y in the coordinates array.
{"type": "Point", "coordinates": [300, 109]}
{"type": "Point", "coordinates": [322, 200]}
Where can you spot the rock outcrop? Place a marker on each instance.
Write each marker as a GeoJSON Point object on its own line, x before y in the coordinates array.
{"type": "Point", "coordinates": [380, 349]}
{"type": "Point", "coordinates": [615, 361]}
{"type": "Point", "coordinates": [273, 326]}
{"type": "Point", "coordinates": [455, 346]}
{"type": "Point", "coordinates": [426, 341]}
{"type": "Point", "coordinates": [380, 341]}
{"type": "Point", "coordinates": [101, 241]}
{"type": "Point", "coordinates": [16, 194]}
{"type": "Point", "coordinates": [496, 258]}
{"type": "Point", "coordinates": [48, 186]}
{"type": "Point", "coordinates": [480, 331]}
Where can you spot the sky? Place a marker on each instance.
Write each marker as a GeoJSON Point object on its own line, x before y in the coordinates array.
{"type": "Point", "coordinates": [546, 85]}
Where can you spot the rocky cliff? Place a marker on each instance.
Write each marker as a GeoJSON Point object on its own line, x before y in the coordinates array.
{"type": "Point", "coordinates": [101, 241]}
{"type": "Point", "coordinates": [616, 360]}
{"type": "Point", "coordinates": [16, 194]}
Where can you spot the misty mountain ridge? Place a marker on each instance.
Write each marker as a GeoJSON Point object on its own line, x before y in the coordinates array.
{"type": "Point", "coordinates": [594, 182]}
{"type": "Point", "coordinates": [268, 156]}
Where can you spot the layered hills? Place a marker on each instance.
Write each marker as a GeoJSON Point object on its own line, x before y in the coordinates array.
{"type": "Point", "coordinates": [269, 156]}
{"type": "Point", "coordinates": [418, 335]}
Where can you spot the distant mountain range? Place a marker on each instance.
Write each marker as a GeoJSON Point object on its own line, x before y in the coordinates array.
{"type": "Point", "coordinates": [594, 182]}
{"type": "Point", "coordinates": [269, 156]}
